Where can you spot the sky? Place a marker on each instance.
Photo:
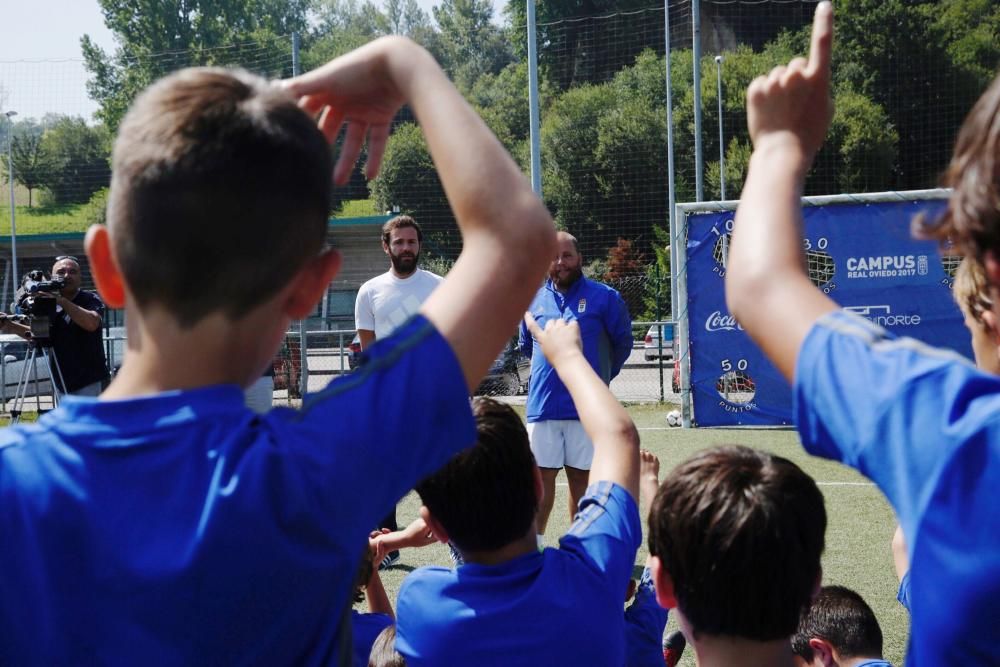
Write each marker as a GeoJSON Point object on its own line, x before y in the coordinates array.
{"type": "Point", "coordinates": [41, 66]}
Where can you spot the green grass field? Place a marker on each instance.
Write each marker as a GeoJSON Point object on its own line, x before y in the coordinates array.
{"type": "Point", "coordinates": [860, 521]}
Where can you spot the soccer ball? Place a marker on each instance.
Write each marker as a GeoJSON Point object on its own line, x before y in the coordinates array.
{"type": "Point", "coordinates": [674, 418]}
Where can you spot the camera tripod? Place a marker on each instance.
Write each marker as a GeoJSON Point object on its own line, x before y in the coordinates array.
{"type": "Point", "coordinates": [29, 377]}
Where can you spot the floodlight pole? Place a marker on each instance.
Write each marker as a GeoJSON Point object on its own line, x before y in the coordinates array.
{"type": "Point", "coordinates": [10, 179]}
{"type": "Point", "coordinates": [722, 145]}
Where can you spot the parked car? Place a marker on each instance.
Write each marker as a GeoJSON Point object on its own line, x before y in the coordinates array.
{"type": "Point", "coordinates": [509, 373]}
{"type": "Point", "coordinates": [15, 351]}
{"type": "Point", "coordinates": [652, 345]}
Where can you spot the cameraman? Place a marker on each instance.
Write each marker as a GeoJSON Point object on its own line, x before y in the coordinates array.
{"type": "Point", "coordinates": [75, 331]}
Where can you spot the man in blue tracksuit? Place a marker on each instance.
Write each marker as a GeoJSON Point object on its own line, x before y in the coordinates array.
{"type": "Point", "coordinates": [557, 438]}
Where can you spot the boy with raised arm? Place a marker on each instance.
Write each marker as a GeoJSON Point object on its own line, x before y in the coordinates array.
{"type": "Point", "coordinates": [511, 604]}
{"type": "Point", "coordinates": [923, 424]}
{"type": "Point", "coordinates": [167, 524]}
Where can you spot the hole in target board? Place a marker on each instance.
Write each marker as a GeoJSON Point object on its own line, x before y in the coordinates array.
{"type": "Point", "coordinates": [950, 264]}
{"type": "Point", "coordinates": [736, 387]}
{"type": "Point", "coordinates": [821, 267]}
{"type": "Point", "coordinates": [720, 252]}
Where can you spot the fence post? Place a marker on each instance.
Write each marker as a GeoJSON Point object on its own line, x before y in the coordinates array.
{"type": "Point", "coordinates": [699, 159]}
{"type": "Point", "coordinates": [533, 121]}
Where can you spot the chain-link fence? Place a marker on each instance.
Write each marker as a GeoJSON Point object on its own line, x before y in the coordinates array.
{"type": "Point", "coordinates": [904, 75]}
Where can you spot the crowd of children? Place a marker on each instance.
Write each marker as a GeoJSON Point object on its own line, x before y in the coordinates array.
{"type": "Point", "coordinates": [165, 523]}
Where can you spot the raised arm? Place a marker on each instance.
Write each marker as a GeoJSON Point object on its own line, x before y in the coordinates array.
{"type": "Point", "coordinates": [767, 288]}
{"type": "Point", "coordinates": [508, 235]}
{"type": "Point", "coordinates": [616, 440]}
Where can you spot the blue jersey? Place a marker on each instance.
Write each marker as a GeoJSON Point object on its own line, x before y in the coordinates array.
{"type": "Point", "coordinates": [606, 333]}
{"type": "Point", "coordinates": [557, 607]}
{"type": "Point", "coordinates": [645, 621]}
{"type": "Point", "coordinates": [183, 529]}
{"type": "Point", "coordinates": [924, 425]}
{"type": "Point", "coordinates": [365, 629]}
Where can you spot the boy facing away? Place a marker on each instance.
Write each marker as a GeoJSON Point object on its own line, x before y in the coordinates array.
{"type": "Point", "coordinates": [167, 524]}
{"type": "Point", "coordinates": [735, 539]}
{"type": "Point", "coordinates": [511, 604]}
{"type": "Point", "coordinates": [923, 424]}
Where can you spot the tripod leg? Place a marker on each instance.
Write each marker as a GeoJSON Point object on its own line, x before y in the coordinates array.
{"type": "Point", "coordinates": [57, 394]}
{"type": "Point", "coordinates": [21, 392]}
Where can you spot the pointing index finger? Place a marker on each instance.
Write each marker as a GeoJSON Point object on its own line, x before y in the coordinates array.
{"type": "Point", "coordinates": [822, 41]}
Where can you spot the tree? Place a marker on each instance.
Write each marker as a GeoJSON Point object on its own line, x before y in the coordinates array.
{"type": "Point", "coordinates": [32, 162]}
{"type": "Point", "coordinates": [79, 160]}
{"type": "Point", "coordinates": [470, 44]}
{"type": "Point", "coordinates": [155, 38]}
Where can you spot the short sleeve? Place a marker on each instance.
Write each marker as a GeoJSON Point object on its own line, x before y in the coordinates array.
{"type": "Point", "coordinates": [364, 315]}
{"type": "Point", "coordinates": [893, 408]}
{"type": "Point", "coordinates": [606, 532]}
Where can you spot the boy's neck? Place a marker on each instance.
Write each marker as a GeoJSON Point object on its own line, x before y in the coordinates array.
{"type": "Point", "coordinates": [519, 547]}
{"type": "Point", "coordinates": [163, 356]}
{"type": "Point", "coordinates": [717, 651]}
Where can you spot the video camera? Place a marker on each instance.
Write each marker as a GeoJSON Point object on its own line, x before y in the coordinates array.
{"type": "Point", "coordinates": [34, 300]}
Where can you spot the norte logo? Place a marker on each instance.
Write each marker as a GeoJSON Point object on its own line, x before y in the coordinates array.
{"type": "Point", "coordinates": [887, 266]}
{"type": "Point", "coordinates": [884, 317]}
{"type": "Point", "coordinates": [719, 322]}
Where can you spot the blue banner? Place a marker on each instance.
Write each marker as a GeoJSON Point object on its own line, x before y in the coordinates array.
{"type": "Point", "coordinates": [862, 255]}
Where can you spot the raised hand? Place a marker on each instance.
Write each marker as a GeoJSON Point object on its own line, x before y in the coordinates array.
{"type": "Point", "coordinates": [559, 340]}
{"type": "Point", "coordinates": [364, 89]}
{"type": "Point", "coordinates": [792, 104]}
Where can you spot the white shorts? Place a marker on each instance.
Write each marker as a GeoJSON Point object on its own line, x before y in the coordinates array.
{"type": "Point", "coordinates": [560, 442]}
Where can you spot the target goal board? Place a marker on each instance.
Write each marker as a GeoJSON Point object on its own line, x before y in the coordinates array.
{"type": "Point", "coordinates": [860, 251]}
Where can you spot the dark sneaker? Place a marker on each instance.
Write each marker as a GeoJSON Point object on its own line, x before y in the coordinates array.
{"type": "Point", "coordinates": [673, 648]}
{"type": "Point", "coordinates": [390, 559]}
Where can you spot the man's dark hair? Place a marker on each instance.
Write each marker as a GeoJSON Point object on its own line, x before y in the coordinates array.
{"type": "Point", "coordinates": [843, 618]}
{"type": "Point", "coordinates": [740, 533]}
{"type": "Point", "coordinates": [485, 495]}
{"type": "Point", "coordinates": [220, 192]}
{"type": "Point", "coordinates": [398, 222]}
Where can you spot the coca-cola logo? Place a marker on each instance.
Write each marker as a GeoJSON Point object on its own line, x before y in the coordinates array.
{"type": "Point", "coordinates": [720, 322]}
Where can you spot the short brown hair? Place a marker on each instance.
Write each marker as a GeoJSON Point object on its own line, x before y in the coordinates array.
{"type": "Point", "coordinates": [396, 223]}
{"type": "Point", "coordinates": [740, 533]}
{"type": "Point", "coordinates": [841, 617]}
{"type": "Point", "coordinates": [220, 192]}
{"type": "Point", "coordinates": [485, 495]}
{"type": "Point", "coordinates": [384, 652]}
{"type": "Point", "coordinates": [972, 220]}
{"type": "Point", "coordinates": [971, 289]}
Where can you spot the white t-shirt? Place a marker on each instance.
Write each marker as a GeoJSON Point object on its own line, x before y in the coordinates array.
{"type": "Point", "coordinates": [385, 301]}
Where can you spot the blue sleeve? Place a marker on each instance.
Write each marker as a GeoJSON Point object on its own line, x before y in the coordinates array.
{"type": "Point", "coordinates": [606, 533]}
{"type": "Point", "coordinates": [894, 409]}
{"type": "Point", "coordinates": [619, 327]}
{"type": "Point", "coordinates": [370, 436]}
{"type": "Point", "coordinates": [645, 621]}
{"type": "Point", "coordinates": [524, 340]}
{"type": "Point", "coordinates": [903, 595]}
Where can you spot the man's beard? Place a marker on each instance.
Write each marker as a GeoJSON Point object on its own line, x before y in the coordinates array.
{"type": "Point", "coordinates": [571, 277]}
{"type": "Point", "coordinates": [404, 264]}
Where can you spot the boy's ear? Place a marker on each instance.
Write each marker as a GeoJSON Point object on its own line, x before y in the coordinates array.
{"type": "Point", "coordinates": [822, 652]}
{"type": "Point", "coordinates": [437, 530]}
{"type": "Point", "coordinates": [104, 266]}
{"type": "Point", "coordinates": [989, 319]}
{"type": "Point", "coordinates": [311, 282]}
{"type": "Point", "coordinates": [663, 583]}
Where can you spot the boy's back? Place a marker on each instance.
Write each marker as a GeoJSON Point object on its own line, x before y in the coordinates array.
{"type": "Point", "coordinates": [167, 524]}
{"type": "Point", "coordinates": [183, 529]}
{"type": "Point", "coordinates": [557, 607]}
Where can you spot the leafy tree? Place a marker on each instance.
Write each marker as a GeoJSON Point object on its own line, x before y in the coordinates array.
{"type": "Point", "coordinates": [32, 162]}
{"type": "Point", "coordinates": [470, 44]}
{"type": "Point", "coordinates": [78, 155]}
{"type": "Point", "coordinates": [155, 38]}
{"type": "Point", "coordinates": [343, 25]}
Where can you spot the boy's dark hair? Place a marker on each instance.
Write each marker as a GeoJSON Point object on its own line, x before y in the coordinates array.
{"type": "Point", "coordinates": [843, 618]}
{"type": "Point", "coordinates": [972, 219]}
{"type": "Point", "coordinates": [396, 223]}
{"type": "Point", "coordinates": [384, 652]}
{"type": "Point", "coordinates": [740, 533]}
{"type": "Point", "coordinates": [220, 192]}
{"type": "Point", "coordinates": [485, 495]}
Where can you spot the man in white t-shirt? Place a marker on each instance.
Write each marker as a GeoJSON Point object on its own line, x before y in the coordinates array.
{"type": "Point", "coordinates": [389, 299]}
